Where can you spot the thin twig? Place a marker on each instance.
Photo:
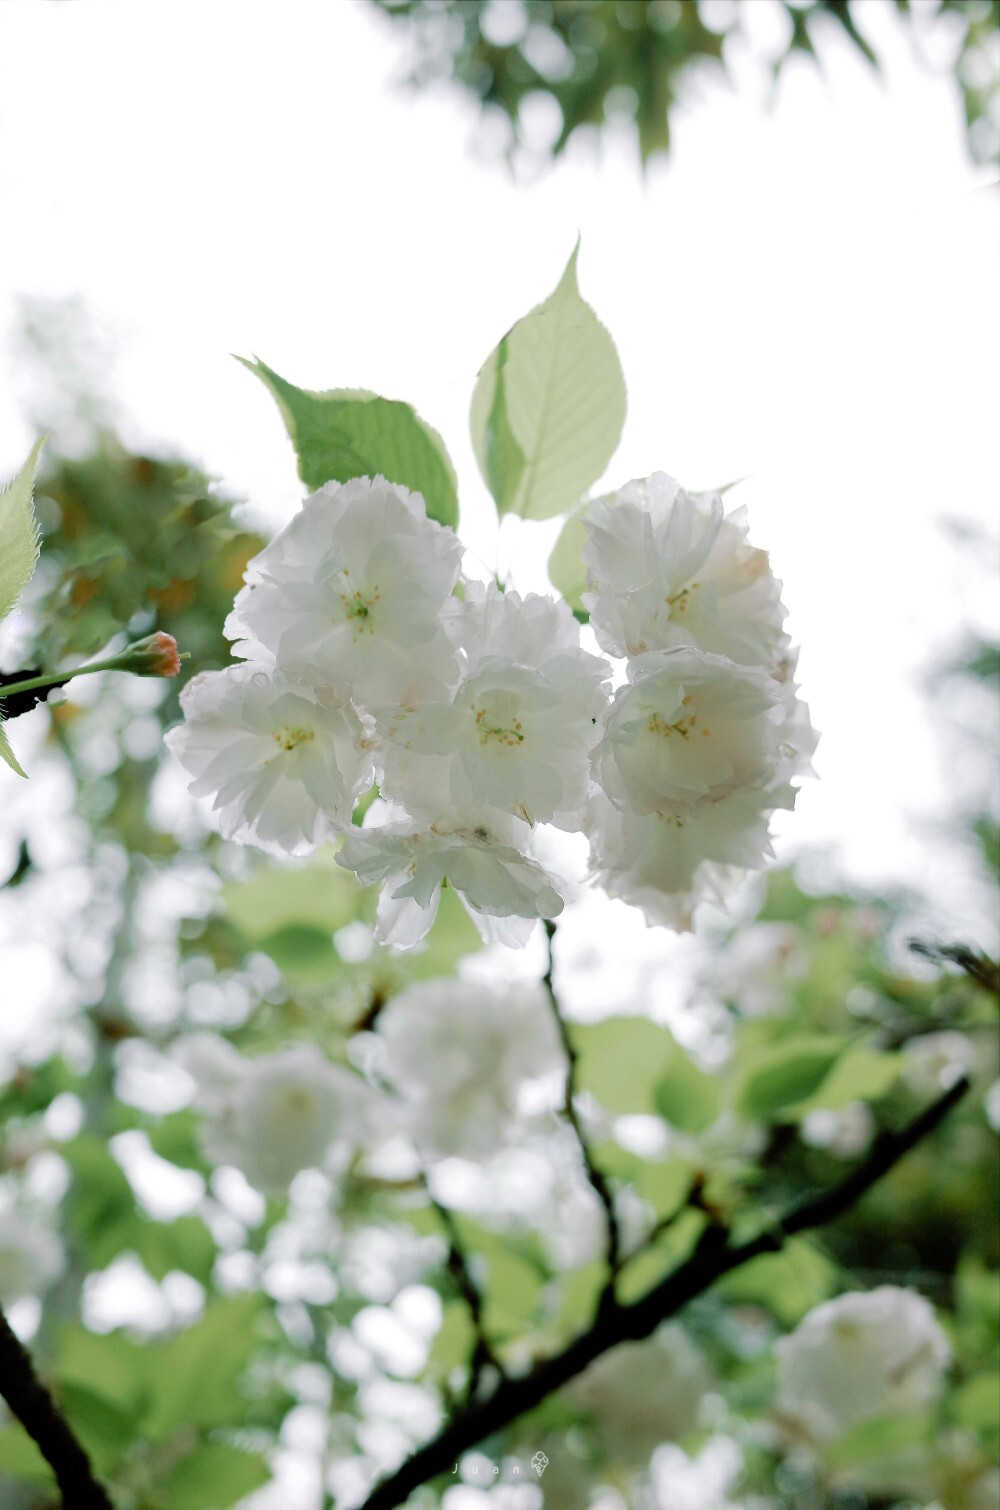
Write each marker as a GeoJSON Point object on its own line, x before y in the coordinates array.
{"type": "Point", "coordinates": [42, 1419]}
{"type": "Point", "coordinates": [458, 1268]}
{"type": "Point", "coordinates": [714, 1255]}
{"type": "Point", "coordinates": [595, 1178]}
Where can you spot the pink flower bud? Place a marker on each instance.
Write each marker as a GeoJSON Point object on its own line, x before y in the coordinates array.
{"type": "Point", "coordinates": [156, 655]}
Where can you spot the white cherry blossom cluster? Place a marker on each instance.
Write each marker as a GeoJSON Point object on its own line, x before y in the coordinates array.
{"type": "Point", "coordinates": [702, 740]}
{"type": "Point", "coordinates": [864, 1354]}
{"type": "Point", "coordinates": [367, 657]}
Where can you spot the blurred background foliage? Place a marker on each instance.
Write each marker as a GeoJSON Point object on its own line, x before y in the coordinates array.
{"type": "Point", "coordinates": [591, 62]}
{"type": "Point", "coordinates": [201, 1338]}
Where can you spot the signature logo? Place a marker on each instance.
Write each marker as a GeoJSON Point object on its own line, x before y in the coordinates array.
{"type": "Point", "coordinates": [539, 1463]}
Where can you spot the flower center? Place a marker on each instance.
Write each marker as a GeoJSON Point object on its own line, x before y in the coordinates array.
{"type": "Point", "coordinates": [289, 736]}
{"type": "Point", "coordinates": [358, 607]}
{"type": "Point", "coordinates": [681, 601]}
{"type": "Point", "coordinates": [683, 726]}
{"type": "Point", "coordinates": [491, 729]}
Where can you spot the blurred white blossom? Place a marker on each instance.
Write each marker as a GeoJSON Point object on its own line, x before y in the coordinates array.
{"type": "Point", "coordinates": [459, 1053]}
{"type": "Point", "coordinates": [31, 1257]}
{"type": "Point", "coordinates": [275, 1115]}
{"type": "Point", "coordinates": [643, 1393]}
{"type": "Point", "coordinates": [862, 1355]}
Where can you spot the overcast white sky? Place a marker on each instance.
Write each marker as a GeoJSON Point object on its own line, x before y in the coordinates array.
{"type": "Point", "coordinates": [806, 295]}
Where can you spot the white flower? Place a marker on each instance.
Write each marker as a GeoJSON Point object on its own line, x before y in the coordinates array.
{"type": "Point", "coordinates": [859, 1356]}
{"type": "Point", "coordinates": [667, 568]}
{"type": "Point", "coordinates": [273, 1116]}
{"type": "Point", "coordinates": [689, 728]}
{"type": "Point", "coordinates": [459, 1053]}
{"type": "Point", "coordinates": [282, 763]}
{"type": "Point", "coordinates": [31, 1258]}
{"type": "Point", "coordinates": [351, 591]}
{"type": "Point", "coordinates": [516, 733]}
{"type": "Point", "coordinates": [667, 866]}
{"type": "Point", "coordinates": [760, 967]}
{"type": "Point", "coordinates": [645, 1393]}
{"type": "Point", "coordinates": [503, 891]}
{"type": "Point", "coordinates": [680, 1481]}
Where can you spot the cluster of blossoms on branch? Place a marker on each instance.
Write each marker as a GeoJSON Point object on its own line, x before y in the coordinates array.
{"type": "Point", "coordinates": [367, 656]}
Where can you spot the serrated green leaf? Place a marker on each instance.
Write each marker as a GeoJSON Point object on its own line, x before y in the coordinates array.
{"type": "Point", "coordinates": [350, 432]}
{"type": "Point", "coordinates": [548, 406]}
{"type": "Point", "coordinates": [7, 754]}
{"type": "Point", "coordinates": [214, 1476]}
{"type": "Point", "coordinates": [781, 1076]}
{"type": "Point", "coordinates": [18, 534]}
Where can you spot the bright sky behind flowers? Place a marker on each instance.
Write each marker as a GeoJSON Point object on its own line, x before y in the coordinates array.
{"type": "Point", "coordinates": [805, 296]}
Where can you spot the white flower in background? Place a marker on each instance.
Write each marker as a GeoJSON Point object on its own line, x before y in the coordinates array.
{"type": "Point", "coordinates": [458, 1053]}
{"type": "Point", "coordinates": [681, 1481]}
{"type": "Point", "coordinates": [351, 591]}
{"type": "Point", "coordinates": [645, 1393]}
{"type": "Point", "coordinates": [689, 728]}
{"type": "Point", "coordinates": [283, 764]}
{"type": "Point", "coordinates": [760, 966]}
{"type": "Point", "coordinates": [667, 866]}
{"type": "Point", "coordinates": [275, 1115]}
{"type": "Point", "coordinates": [31, 1257]}
{"type": "Point", "coordinates": [667, 568]}
{"type": "Point", "coordinates": [503, 891]}
{"type": "Point", "coordinates": [517, 732]}
{"type": "Point", "coordinates": [860, 1356]}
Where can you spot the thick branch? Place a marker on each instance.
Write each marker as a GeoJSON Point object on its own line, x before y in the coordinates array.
{"type": "Point", "coordinates": [595, 1178]}
{"type": "Point", "coordinates": [713, 1256]}
{"type": "Point", "coordinates": [42, 1420]}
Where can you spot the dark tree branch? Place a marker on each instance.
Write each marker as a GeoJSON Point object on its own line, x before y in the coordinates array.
{"type": "Point", "coordinates": [595, 1178]}
{"type": "Point", "coordinates": [41, 1418]}
{"type": "Point", "coordinates": [458, 1268]}
{"type": "Point", "coordinates": [714, 1255]}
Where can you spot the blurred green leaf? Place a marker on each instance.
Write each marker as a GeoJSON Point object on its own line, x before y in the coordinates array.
{"type": "Point", "coordinates": [18, 533]}
{"type": "Point", "coordinates": [788, 1283]}
{"type": "Point", "coordinates": [548, 406]}
{"type": "Point", "coordinates": [567, 572]}
{"type": "Point", "coordinates": [860, 1074]}
{"type": "Point", "coordinates": [214, 1476]}
{"type": "Point", "coordinates": [195, 1382]}
{"type": "Point", "coordinates": [783, 1075]}
{"type": "Point", "coordinates": [622, 1060]}
{"type": "Point", "coordinates": [687, 1096]}
{"type": "Point", "coordinates": [349, 432]}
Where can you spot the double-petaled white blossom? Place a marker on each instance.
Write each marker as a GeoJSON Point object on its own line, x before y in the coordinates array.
{"type": "Point", "coordinates": [275, 1115]}
{"type": "Point", "coordinates": [860, 1356]}
{"type": "Point", "coordinates": [459, 1053]}
{"type": "Point", "coordinates": [667, 567]}
{"type": "Point", "coordinates": [283, 764]}
{"type": "Point", "coordinates": [350, 593]}
{"type": "Point", "coordinates": [516, 732]}
{"type": "Point", "coordinates": [689, 728]}
{"type": "Point", "coordinates": [503, 890]}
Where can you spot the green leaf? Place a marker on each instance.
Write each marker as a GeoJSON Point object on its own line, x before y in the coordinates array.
{"type": "Point", "coordinates": [788, 1283]}
{"type": "Point", "coordinates": [103, 1208]}
{"type": "Point", "coordinates": [109, 1366]}
{"type": "Point", "coordinates": [781, 1076]}
{"type": "Point", "coordinates": [18, 533]}
{"type": "Point", "coordinates": [621, 1061]}
{"type": "Point", "coordinates": [567, 572]}
{"type": "Point", "coordinates": [880, 1438]}
{"type": "Point", "coordinates": [21, 1459]}
{"type": "Point", "coordinates": [454, 1341]}
{"type": "Point", "coordinates": [859, 1075]}
{"type": "Point", "coordinates": [196, 1381]}
{"type": "Point", "coordinates": [349, 432]}
{"type": "Point", "coordinates": [184, 1244]}
{"type": "Point", "coordinates": [687, 1096]}
{"type": "Point", "coordinates": [676, 1244]}
{"type": "Point", "coordinates": [976, 1403]}
{"type": "Point", "coordinates": [320, 895]}
{"type": "Point", "coordinates": [214, 1476]}
{"type": "Point", "coordinates": [548, 406]}
{"type": "Point", "coordinates": [7, 754]}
